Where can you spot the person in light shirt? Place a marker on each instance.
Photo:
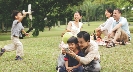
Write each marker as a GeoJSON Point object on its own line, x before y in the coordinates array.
{"type": "Point", "coordinates": [74, 26]}
{"type": "Point", "coordinates": [120, 31]}
{"type": "Point", "coordinates": [106, 27]}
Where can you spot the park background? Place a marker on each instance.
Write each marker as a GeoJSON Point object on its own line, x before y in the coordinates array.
{"type": "Point", "coordinates": [49, 21]}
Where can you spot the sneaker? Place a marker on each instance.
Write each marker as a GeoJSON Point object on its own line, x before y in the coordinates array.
{"type": "Point", "coordinates": [123, 43]}
{"type": "Point", "coordinates": [2, 51]}
{"type": "Point", "coordinates": [110, 44]}
{"type": "Point", "coordinates": [113, 44]}
{"type": "Point", "coordinates": [18, 58]}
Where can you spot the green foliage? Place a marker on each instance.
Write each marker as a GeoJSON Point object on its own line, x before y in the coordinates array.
{"type": "Point", "coordinates": [54, 10]}
{"type": "Point", "coordinates": [131, 30]}
{"type": "Point", "coordinates": [130, 19]}
{"type": "Point", "coordinates": [95, 8]}
{"type": "Point", "coordinates": [36, 32]}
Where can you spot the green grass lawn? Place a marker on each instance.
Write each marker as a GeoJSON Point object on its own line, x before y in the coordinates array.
{"type": "Point", "coordinates": [41, 53]}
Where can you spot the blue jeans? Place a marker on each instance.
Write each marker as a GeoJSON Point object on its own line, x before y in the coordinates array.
{"type": "Point", "coordinates": [79, 69]}
{"type": "Point", "coordinates": [93, 66]}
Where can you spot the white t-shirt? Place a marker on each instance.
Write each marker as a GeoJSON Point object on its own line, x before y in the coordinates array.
{"type": "Point", "coordinates": [74, 29]}
{"type": "Point", "coordinates": [124, 26]}
{"type": "Point", "coordinates": [108, 25]}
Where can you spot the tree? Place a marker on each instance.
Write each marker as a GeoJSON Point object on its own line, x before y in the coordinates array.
{"type": "Point", "coordinates": [131, 1]}
{"type": "Point", "coordinates": [55, 9]}
{"type": "Point", "coordinates": [95, 8]}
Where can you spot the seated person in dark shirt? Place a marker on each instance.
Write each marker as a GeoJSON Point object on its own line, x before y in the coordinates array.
{"type": "Point", "coordinates": [71, 64]}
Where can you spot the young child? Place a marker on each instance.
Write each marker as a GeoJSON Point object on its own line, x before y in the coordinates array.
{"type": "Point", "coordinates": [15, 31]}
{"type": "Point", "coordinates": [62, 46]}
{"type": "Point", "coordinates": [71, 64]}
{"type": "Point", "coordinates": [60, 60]}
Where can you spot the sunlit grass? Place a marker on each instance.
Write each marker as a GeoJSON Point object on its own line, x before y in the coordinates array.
{"type": "Point", "coordinates": [41, 53]}
{"type": "Point", "coordinates": [40, 56]}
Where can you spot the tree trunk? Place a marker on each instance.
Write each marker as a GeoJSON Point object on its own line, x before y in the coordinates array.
{"type": "Point", "coordinates": [30, 25]}
{"type": "Point", "coordinates": [49, 28]}
{"type": "Point", "coordinates": [95, 18]}
{"type": "Point", "coordinates": [55, 25]}
{"type": "Point", "coordinates": [66, 22]}
{"type": "Point", "coordinates": [58, 23]}
{"type": "Point", "coordinates": [3, 28]}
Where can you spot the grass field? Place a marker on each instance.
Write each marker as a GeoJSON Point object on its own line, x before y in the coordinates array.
{"type": "Point", "coordinates": [41, 53]}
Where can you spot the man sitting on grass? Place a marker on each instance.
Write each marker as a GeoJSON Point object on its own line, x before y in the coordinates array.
{"type": "Point", "coordinates": [120, 31]}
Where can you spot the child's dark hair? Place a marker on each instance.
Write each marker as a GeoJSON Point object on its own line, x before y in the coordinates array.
{"type": "Point", "coordinates": [110, 11]}
{"type": "Point", "coordinates": [73, 40]}
{"type": "Point", "coordinates": [14, 13]}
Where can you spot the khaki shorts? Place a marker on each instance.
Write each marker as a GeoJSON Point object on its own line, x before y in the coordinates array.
{"type": "Point", "coordinates": [121, 35]}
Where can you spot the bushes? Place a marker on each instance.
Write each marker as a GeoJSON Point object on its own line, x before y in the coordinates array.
{"type": "Point", "coordinates": [131, 30]}
{"type": "Point", "coordinates": [130, 19]}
